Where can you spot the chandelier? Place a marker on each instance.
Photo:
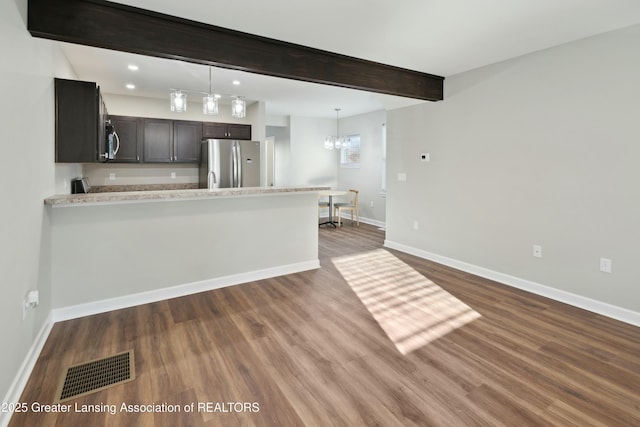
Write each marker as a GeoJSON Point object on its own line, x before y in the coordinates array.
{"type": "Point", "coordinates": [336, 141]}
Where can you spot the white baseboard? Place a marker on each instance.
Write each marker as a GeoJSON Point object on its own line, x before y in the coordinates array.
{"type": "Point", "coordinates": [347, 216]}
{"type": "Point", "coordinates": [125, 301]}
{"type": "Point", "coordinates": [24, 372]}
{"type": "Point", "coordinates": [595, 306]}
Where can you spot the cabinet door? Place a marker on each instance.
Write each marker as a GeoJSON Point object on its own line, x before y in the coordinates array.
{"type": "Point", "coordinates": [186, 141]}
{"type": "Point", "coordinates": [226, 131]}
{"type": "Point", "coordinates": [128, 130]}
{"type": "Point", "coordinates": [158, 140]}
{"type": "Point", "coordinates": [76, 109]}
{"type": "Point", "coordinates": [214, 130]}
{"type": "Point", "coordinates": [235, 131]}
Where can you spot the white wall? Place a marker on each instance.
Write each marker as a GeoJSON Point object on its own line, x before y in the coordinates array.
{"type": "Point", "coordinates": [29, 175]}
{"type": "Point", "coordinates": [310, 163]}
{"type": "Point", "coordinates": [111, 251]}
{"type": "Point", "coordinates": [282, 154]}
{"type": "Point", "coordinates": [367, 179]}
{"type": "Point", "coordinates": [542, 149]}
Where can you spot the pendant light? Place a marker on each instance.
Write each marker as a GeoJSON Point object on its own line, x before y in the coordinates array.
{"type": "Point", "coordinates": [178, 101]}
{"type": "Point", "coordinates": [334, 141]}
{"type": "Point", "coordinates": [210, 101]}
{"type": "Point", "coordinates": [238, 108]}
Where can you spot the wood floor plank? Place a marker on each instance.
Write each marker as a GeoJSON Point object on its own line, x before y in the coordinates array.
{"type": "Point", "coordinates": [308, 352]}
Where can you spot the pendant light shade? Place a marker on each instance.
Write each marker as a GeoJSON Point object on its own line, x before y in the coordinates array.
{"type": "Point", "coordinates": [210, 105]}
{"type": "Point", "coordinates": [238, 108]}
{"type": "Point", "coordinates": [178, 101]}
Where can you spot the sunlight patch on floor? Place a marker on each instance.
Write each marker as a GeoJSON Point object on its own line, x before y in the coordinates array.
{"type": "Point", "coordinates": [411, 309]}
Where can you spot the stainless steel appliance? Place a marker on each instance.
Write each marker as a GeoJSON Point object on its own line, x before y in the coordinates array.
{"type": "Point", "coordinates": [229, 163]}
{"type": "Point", "coordinates": [112, 142]}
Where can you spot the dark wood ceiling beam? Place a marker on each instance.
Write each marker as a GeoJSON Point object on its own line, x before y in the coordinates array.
{"type": "Point", "coordinates": [113, 26]}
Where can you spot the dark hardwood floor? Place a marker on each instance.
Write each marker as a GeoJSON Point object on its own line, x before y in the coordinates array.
{"type": "Point", "coordinates": [304, 350]}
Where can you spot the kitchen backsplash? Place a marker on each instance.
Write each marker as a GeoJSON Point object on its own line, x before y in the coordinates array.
{"type": "Point", "coordinates": [123, 174]}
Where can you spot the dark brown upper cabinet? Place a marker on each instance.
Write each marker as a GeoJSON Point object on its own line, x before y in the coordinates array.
{"type": "Point", "coordinates": [158, 140]}
{"type": "Point", "coordinates": [186, 141]}
{"type": "Point", "coordinates": [226, 131]}
{"type": "Point", "coordinates": [171, 141]}
{"type": "Point", "coordinates": [80, 116]}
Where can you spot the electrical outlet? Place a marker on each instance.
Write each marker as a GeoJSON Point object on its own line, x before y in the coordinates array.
{"type": "Point", "coordinates": [173, 175]}
{"type": "Point", "coordinates": [537, 251]}
{"type": "Point", "coordinates": [402, 177]}
{"type": "Point", "coordinates": [112, 176]}
{"type": "Point", "coordinates": [605, 265]}
{"type": "Point", "coordinates": [31, 301]}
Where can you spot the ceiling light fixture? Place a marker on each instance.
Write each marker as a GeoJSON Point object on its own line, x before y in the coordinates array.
{"type": "Point", "coordinates": [210, 101]}
{"type": "Point", "coordinates": [132, 67]}
{"type": "Point", "coordinates": [335, 141]}
{"type": "Point", "coordinates": [178, 101]}
{"type": "Point", "coordinates": [130, 86]}
{"type": "Point", "coordinates": [238, 108]}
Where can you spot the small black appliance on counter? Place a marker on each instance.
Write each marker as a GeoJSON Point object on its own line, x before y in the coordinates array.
{"type": "Point", "coordinates": [80, 185]}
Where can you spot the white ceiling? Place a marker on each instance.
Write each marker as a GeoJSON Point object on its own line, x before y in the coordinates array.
{"type": "Point", "coordinates": [442, 37]}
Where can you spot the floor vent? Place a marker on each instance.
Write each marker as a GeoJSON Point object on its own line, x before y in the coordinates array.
{"type": "Point", "coordinates": [89, 377]}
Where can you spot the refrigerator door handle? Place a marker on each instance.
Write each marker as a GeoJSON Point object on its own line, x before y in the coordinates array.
{"type": "Point", "coordinates": [239, 163]}
{"type": "Point", "coordinates": [211, 180]}
{"type": "Point", "coordinates": [234, 167]}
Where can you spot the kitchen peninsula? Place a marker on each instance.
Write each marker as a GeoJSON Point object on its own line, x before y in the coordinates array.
{"type": "Point", "coordinates": [115, 250]}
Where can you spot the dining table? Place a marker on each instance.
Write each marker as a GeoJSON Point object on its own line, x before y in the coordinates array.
{"type": "Point", "coordinates": [330, 194]}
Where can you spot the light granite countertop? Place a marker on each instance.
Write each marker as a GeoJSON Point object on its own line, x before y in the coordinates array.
{"type": "Point", "coordinates": [105, 198]}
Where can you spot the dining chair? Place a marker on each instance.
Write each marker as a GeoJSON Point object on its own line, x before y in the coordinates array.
{"type": "Point", "coordinates": [352, 206]}
{"type": "Point", "coordinates": [322, 204]}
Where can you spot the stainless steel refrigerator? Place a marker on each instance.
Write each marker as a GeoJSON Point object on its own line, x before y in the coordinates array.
{"type": "Point", "coordinates": [229, 163]}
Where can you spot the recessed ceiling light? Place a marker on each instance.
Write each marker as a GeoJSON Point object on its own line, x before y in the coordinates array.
{"type": "Point", "coordinates": [236, 82]}
{"type": "Point", "coordinates": [132, 67]}
{"type": "Point", "coordinates": [131, 86]}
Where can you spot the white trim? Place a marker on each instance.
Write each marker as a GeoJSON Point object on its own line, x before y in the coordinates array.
{"type": "Point", "coordinates": [126, 301]}
{"type": "Point", "coordinates": [24, 372]}
{"type": "Point", "coordinates": [595, 306]}
{"type": "Point", "coordinates": [375, 222]}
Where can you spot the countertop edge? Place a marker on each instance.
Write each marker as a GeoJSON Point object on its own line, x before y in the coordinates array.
{"type": "Point", "coordinates": [67, 200]}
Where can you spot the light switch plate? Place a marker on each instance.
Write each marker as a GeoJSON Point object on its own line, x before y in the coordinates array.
{"type": "Point", "coordinates": [605, 265]}
{"type": "Point", "coordinates": [402, 177]}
